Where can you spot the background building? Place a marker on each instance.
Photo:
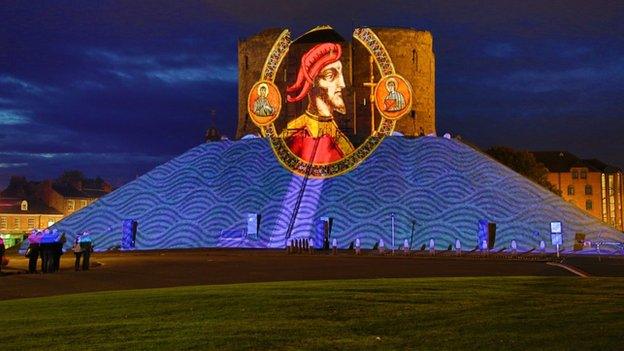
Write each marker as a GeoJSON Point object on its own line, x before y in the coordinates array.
{"type": "Point", "coordinates": [69, 198]}
{"type": "Point", "coordinates": [591, 185]}
{"type": "Point", "coordinates": [27, 205]}
{"type": "Point", "coordinates": [19, 215]}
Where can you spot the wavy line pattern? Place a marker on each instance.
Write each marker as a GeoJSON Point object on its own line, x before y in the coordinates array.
{"type": "Point", "coordinates": [443, 185]}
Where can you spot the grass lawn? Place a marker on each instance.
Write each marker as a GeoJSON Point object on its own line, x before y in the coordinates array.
{"type": "Point", "coordinates": [433, 313]}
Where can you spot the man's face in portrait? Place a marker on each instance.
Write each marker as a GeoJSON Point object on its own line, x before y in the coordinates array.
{"type": "Point", "coordinates": [330, 83]}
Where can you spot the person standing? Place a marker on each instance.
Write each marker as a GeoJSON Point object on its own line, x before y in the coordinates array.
{"type": "Point", "coordinates": [33, 251]}
{"type": "Point", "coordinates": [46, 246]}
{"type": "Point", "coordinates": [2, 250]}
{"type": "Point", "coordinates": [87, 248]}
{"type": "Point", "coordinates": [58, 251]}
{"type": "Point", "coordinates": [77, 252]}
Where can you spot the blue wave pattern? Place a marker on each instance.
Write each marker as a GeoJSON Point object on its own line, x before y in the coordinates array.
{"type": "Point", "coordinates": [443, 185]}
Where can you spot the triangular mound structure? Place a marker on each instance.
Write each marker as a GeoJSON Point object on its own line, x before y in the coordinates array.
{"type": "Point", "coordinates": [203, 196]}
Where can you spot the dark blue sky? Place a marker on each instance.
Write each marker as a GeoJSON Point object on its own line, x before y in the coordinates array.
{"type": "Point", "coordinates": [115, 88]}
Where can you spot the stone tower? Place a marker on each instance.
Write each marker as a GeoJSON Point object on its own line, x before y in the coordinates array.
{"type": "Point", "coordinates": [252, 53]}
{"type": "Point", "coordinates": [412, 55]}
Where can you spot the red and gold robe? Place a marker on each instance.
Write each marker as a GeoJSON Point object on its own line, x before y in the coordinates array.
{"type": "Point", "coordinates": [302, 133]}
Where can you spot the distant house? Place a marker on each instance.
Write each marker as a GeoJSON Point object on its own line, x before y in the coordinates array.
{"type": "Point", "coordinates": [27, 205]}
{"type": "Point", "coordinates": [19, 215]}
{"type": "Point", "coordinates": [592, 185]}
{"type": "Point", "coordinates": [69, 198]}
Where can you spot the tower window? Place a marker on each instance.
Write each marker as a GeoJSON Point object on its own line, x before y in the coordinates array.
{"type": "Point", "coordinates": [570, 190]}
{"type": "Point", "coordinates": [588, 190]}
{"type": "Point", "coordinates": [575, 174]}
{"type": "Point", "coordinates": [24, 205]}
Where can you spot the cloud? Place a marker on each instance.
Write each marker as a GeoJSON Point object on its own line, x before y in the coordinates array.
{"type": "Point", "coordinates": [500, 50]}
{"type": "Point", "coordinates": [4, 101]}
{"type": "Point", "coordinates": [182, 75]}
{"type": "Point", "coordinates": [119, 59]}
{"type": "Point", "coordinates": [88, 85]}
{"type": "Point", "coordinates": [13, 165]}
{"type": "Point", "coordinates": [541, 81]}
{"type": "Point", "coordinates": [11, 82]}
{"type": "Point", "coordinates": [178, 68]}
{"type": "Point", "coordinates": [110, 157]}
{"type": "Point", "coordinates": [12, 117]}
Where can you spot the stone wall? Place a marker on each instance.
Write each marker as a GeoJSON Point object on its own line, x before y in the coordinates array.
{"type": "Point", "coordinates": [412, 54]}
{"type": "Point", "coordinates": [252, 53]}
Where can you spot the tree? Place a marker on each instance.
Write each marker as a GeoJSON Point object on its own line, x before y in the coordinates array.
{"type": "Point", "coordinates": [18, 187]}
{"type": "Point", "coordinates": [524, 163]}
{"type": "Point", "coordinates": [71, 177]}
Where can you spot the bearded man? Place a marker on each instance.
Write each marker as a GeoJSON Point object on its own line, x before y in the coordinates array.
{"type": "Point", "coordinates": [314, 136]}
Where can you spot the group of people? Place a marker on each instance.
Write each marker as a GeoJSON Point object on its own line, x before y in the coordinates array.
{"type": "Point", "coordinates": [47, 245]}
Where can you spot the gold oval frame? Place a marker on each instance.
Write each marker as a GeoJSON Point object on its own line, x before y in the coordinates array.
{"type": "Point", "coordinates": [285, 156]}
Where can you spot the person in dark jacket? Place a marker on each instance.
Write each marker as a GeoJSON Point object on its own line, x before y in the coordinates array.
{"type": "Point", "coordinates": [33, 250]}
{"type": "Point", "coordinates": [46, 246]}
{"type": "Point", "coordinates": [77, 252]}
{"type": "Point", "coordinates": [2, 250]}
{"type": "Point", "coordinates": [57, 251]}
{"type": "Point", "coordinates": [87, 248]}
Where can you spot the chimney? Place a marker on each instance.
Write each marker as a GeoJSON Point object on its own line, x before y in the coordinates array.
{"type": "Point", "coordinates": [45, 191]}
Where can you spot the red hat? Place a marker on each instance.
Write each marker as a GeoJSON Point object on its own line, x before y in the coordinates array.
{"type": "Point", "coordinates": [312, 62]}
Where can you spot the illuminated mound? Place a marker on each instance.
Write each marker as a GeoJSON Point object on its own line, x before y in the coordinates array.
{"type": "Point", "coordinates": [442, 184]}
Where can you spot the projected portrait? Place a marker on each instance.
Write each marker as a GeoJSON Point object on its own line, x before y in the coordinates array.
{"type": "Point", "coordinates": [341, 100]}
{"type": "Point", "coordinates": [264, 103]}
{"type": "Point", "coordinates": [392, 95]}
{"type": "Point", "coordinates": [394, 101]}
{"type": "Point", "coordinates": [314, 136]}
{"type": "Point", "coordinates": [262, 106]}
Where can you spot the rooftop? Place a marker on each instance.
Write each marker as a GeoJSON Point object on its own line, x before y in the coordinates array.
{"type": "Point", "coordinates": [563, 161]}
{"type": "Point", "coordinates": [14, 206]}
